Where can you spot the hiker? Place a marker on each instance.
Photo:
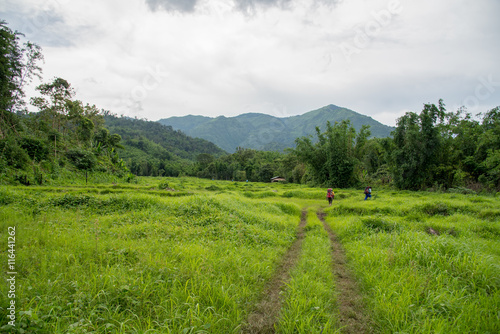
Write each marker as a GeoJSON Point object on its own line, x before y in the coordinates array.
{"type": "Point", "coordinates": [368, 192]}
{"type": "Point", "coordinates": [330, 195]}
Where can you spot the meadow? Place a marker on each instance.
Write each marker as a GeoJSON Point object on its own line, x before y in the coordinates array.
{"type": "Point", "coordinates": [185, 255]}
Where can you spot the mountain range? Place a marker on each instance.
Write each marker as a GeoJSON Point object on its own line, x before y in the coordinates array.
{"type": "Point", "coordinates": [266, 132]}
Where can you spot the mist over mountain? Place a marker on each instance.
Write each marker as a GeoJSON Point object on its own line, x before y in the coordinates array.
{"type": "Point", "coordinates": [266, 132]}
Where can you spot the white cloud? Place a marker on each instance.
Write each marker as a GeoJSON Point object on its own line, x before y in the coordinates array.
{"type": "Point", "coordinates": [214, 57]}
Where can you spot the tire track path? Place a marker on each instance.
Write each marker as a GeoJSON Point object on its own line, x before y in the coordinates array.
{"type": "Point", "coordinates": [265, 314]}
{"type": "Point", "coordinates": [352, 316]}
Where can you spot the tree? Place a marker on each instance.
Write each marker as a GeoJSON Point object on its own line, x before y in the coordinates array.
{"type": "Point", "coordinates": [417, 147]}
{"type": "Point", "coordinates": [18, 67]}
{"type": "Point", "coordinates": [54, 104]}
{"type": "Point", "coordinates": [82, 159]}
{"type": "Point", "coordinates": [331, 159]}
{"type": "Point", "coordinates": [11, 67]}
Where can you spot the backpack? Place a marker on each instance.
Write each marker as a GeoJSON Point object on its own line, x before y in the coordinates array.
{"type": "Point", "coordinates": [366, 190]}
{"type": "Point", "coordinates": [329, 193]}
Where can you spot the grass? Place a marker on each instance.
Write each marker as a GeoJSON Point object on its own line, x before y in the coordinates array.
{"type": "Point", "coordinates": [183, 255]}
{"type": "Point", "coordinates": [137, 262]}
{"type": "Point", "coordinates": [419, 282]}
{"type": "Point", "coordinates": [309, 301]}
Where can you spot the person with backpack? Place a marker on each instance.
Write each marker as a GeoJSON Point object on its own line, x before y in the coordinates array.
{"type": "Point", "coordinates": [330, 195]}
{"type": "Point", "coordinates": [368, 192]}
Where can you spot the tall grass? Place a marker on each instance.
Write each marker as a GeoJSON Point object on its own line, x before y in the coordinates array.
{"type": "Point", "coordinates": [428, 263]}
{"type": "Point", "coordinates": [183, 255]}
{"type": "Point", "coordinates": [135, 262]}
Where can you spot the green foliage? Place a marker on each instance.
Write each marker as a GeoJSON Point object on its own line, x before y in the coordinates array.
{"type": "Point", "coordinates": [36, 149]}
{"type": "Point", "coordinates": [13, 154]}
{"type": "Point", "coordinates": [18, 66]}
{"type": "Point", "coordinates": [198, 261]}
{"type": "Point", "coordinates": [82, 159]}
{"type": "Point", "coordinates": [34, 146]}
{"type": "Point", "coordinates": [332, 158]}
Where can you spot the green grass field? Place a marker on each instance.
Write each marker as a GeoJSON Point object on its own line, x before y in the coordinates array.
{"type": "Point", "coordinates": [184, 255]}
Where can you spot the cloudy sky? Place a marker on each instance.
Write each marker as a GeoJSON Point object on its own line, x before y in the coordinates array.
{"type": "Point", "coordinates": [159, 58]}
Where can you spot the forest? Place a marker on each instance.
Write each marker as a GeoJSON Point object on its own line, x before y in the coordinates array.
{"type": "Point", "coordinates": [66, 138]}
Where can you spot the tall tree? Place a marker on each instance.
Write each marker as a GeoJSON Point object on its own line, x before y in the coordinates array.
{"type": "Point", "coordinates": [418, 143]}
{"type": "Point", "coordinates": [18, 66]}
{"type": "Point", "coordinates": [331, 160]}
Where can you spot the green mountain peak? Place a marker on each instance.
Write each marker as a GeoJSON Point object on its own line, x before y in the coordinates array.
{"type": "Point", "coordinates": [267, 132]}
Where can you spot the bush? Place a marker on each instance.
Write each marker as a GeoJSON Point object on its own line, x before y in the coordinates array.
{"type": "Point", "coordinates": [81, 159]}
{"type": "Point", "coordinates": [163, 185]}
{"type": "Point", "coordinates": [36, 149]}
{"type": "Point", "coordinates": [72, 201]}
{"type": "Point", "coordinates": [13, 154]}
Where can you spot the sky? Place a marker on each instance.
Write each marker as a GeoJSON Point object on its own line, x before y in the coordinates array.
{"type": "Point", "coordinates": [155, 59]}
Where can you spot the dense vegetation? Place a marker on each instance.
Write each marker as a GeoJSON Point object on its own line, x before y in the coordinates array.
{"type": "Point", "coordinates": [152, 149]}
{"type": "Point", "coordinates": [433, 149]}
{"type": "Point", "coordinates": [65, 135]}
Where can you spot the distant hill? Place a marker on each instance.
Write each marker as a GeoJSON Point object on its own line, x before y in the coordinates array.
{"type": "Point", "coordinates": [265, 132]}
{"type": "Point", "coordinates": [149, 140]}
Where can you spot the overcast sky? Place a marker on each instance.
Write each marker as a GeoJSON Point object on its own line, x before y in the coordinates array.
{"type": "Point", "coordinates": [159, 58]}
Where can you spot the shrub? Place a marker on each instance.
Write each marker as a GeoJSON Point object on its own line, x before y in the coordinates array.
{"type": "Point", "coordinates": [13, 154]}
{"type": "Point", "coordinates": [433, 209]}
{"type": "Point", "coordinates": [163, 185]}
{"type": "Point", "coordinates": [72, 201]}
{"type": "Point", "coordinates": [81, 159]}
{"type": "Point", "coordinates": [35, 148]}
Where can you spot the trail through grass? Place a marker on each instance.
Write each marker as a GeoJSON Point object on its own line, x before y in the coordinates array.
{"type": "Point", "coordinates": [352, 313]}
{"type": "Point", "coordinates": [309, 300]}
{"type": "Point", "coordinates": [263, 318]}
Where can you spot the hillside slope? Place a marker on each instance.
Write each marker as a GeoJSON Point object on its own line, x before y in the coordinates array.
{"type": "Point", "coordinates": [266, 132]}
{"type": "Point", "coordinates": [150, 148]}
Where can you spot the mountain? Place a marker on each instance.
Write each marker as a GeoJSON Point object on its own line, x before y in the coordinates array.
{"type": "Point", "coordinates": [266, 132]}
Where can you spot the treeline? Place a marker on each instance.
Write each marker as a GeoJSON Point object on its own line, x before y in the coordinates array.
{"type": "Point", "coordinates": [434, 149]}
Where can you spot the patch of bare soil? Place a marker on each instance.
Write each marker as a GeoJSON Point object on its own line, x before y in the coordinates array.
{"type": "Point", "coordinates": [262, 319]}
{"type": "Point", "coordinates": [352, 318]}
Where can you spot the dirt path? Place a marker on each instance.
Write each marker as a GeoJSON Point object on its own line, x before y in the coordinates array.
{"type": "Point", "coordinates": [264, 316]}
{"type": "Point", "coordinates": [352, 317]}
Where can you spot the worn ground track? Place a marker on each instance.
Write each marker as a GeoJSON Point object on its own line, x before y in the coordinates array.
{"type": "Point", "coordinates": [352, 317]}
{"type": "Point", "coordinates": [264, 316]}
